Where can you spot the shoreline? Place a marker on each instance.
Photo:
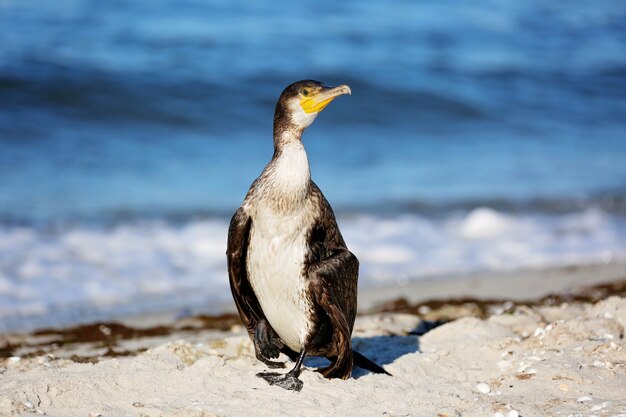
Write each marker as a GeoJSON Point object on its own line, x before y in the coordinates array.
{"type": "Point", "coordinates": [434, 300]}
{"type": "Point", "coordinates": [516, 285]}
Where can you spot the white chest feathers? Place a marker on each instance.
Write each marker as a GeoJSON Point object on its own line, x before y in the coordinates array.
{"type": "Point", "coordinates": [276, 255]}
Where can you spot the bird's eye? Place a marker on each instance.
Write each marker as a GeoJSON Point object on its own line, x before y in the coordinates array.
{"type": "Point", "coordinates": [305, 92]}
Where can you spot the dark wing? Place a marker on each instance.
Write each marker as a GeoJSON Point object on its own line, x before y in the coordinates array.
{"type": "Point", "coordinates": [329, 251]}
{"type": "Point", "coordinates": [236, 253]}
{"type": "Point", "coordinates": [333, 274]}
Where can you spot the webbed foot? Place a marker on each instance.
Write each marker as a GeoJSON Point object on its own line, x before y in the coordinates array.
{"type": "Point", "coordinates": [288, 381]}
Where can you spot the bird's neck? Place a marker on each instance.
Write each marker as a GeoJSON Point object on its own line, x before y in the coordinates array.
{"type": "Point", "coordinates": [286, 179]}
{"type": "Point", "coordinates": [285, 132]}
{"type": "Point", "coordinates": [286, 129]}
{"type": "Point", "coordinates": [287, 176]}
{"type": "Point", "coordinates": [286, 136]}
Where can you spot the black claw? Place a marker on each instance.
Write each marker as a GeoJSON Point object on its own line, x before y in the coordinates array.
{"type": "Point", "coordinates": [288, 381]}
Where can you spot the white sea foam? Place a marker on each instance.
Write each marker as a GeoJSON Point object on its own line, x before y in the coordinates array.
{"type": "Point", "coordinates": [85, 272]}
{"type": "Point", "coordinates": [482, 239]}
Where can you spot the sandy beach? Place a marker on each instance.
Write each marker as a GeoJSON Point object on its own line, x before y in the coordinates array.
{"type": "Point", "coordinates": [471, 155]}
{"type": "Point", "coordinates": [557, 356]}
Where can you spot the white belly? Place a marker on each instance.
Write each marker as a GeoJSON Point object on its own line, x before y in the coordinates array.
{"type": "Point", "coordinates": [276, 254]}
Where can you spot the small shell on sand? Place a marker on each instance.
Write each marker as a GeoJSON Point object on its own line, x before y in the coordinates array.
{"type": "Point", "coordinates": [598, 364]}
{"type": "Point", "coordinates": [483, 387]}
{"type": "Point", "coordinates": [28, 406]}
{"type": "Point", "coordinates": [105, 330]}
{"type": "Point", "coordinates": [598, 407]}
{"type": "Point", "coordinates": [504, 365]}
{"type": "Point", "coordinates": [584, 398]}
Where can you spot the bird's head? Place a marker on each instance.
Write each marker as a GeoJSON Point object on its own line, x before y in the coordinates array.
{"type": "Point", "coordinates": [302, 101]}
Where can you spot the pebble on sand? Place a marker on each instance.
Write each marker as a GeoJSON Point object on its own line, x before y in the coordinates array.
{"type": "Point", "coordinates": [483, 387]}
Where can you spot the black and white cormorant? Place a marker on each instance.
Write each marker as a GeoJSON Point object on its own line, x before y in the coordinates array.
{"type": "Point", "coordinates": [293, 279]}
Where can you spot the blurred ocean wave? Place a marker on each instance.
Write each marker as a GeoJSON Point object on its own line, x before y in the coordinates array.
{"type": "Point", "coordinates": [96, 95]}
{"type": "Point", "coordinates": [99, 97]}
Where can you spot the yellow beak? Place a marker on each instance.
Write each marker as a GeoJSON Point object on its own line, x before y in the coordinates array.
{"type": "Point", "coordinates": [320, 99]}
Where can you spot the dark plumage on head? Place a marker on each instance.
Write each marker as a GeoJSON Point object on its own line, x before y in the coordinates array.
{"type": "Point", "coordinates": [300, 87]}
{"type": "Point", "coordinates": [301, 102]}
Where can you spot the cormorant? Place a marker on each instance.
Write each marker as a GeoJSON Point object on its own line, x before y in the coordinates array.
{"type": "Point", "coordinates": [292, 276]}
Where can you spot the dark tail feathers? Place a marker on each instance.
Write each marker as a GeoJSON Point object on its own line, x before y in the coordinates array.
{"type": "Point", "coordinates": [363, 362]}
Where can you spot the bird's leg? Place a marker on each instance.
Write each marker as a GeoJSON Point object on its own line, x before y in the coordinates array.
{"type": "Point", "coordinates": [288, 381]}
{"type": "Point", "coordinates": [267, 344]}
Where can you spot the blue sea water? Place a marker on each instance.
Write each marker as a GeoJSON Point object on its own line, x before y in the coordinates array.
{"type": "Point", "coordinates": [486, 135]}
